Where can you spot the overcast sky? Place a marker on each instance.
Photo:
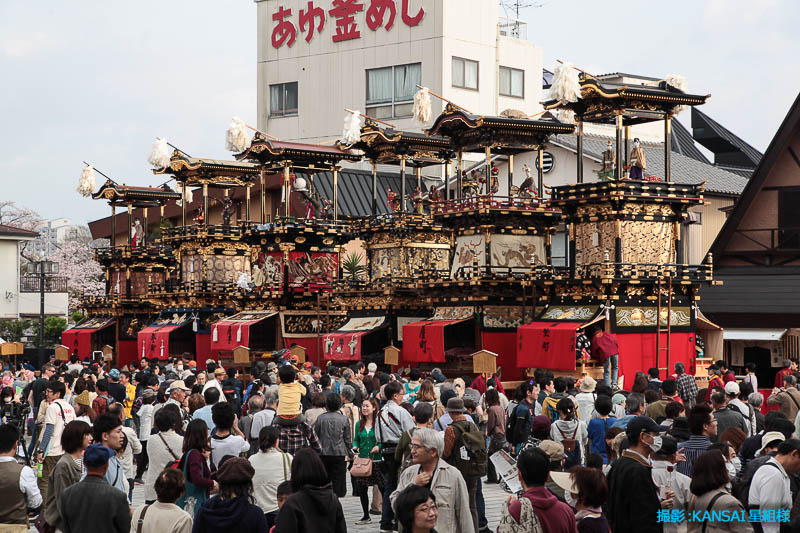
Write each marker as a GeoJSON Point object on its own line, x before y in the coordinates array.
{"type": "Point", "coordinates": [98, 80]}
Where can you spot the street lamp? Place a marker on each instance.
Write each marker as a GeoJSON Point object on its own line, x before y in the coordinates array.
{"type": "Point", "coordinates": [43, 268]}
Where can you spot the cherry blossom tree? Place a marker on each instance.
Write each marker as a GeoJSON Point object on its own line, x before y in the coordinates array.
{"type": "Point", "coordinates": [84, 275]}
{"type": "Point", "coordinates": [20, 217]}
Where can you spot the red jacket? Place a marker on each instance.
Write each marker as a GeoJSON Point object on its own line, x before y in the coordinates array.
{"type": "Point", "coordinates": [780, 375]}
{"type": "Point", "coordinates": [604, 345]}
{"type": "Point", "coordinates": [714, 383]}
{"type": "Point", "coordinates": [553, 515]}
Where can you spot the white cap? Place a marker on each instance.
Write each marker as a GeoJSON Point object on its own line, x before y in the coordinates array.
{"type": "Point", "coordinates": [732, 387]}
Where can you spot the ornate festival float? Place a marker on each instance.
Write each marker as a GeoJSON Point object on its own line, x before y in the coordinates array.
{"type": "Point", "coordinates": [456, 275]}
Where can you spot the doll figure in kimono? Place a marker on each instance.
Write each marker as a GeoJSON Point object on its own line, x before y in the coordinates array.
{"type": "Point", "coordinates": [638, 161]}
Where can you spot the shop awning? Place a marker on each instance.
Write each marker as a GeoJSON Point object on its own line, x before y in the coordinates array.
{"type": "Point", "coordinates": [744, 334]}
{"type": "Point", "coordinates": [153, 341]}
{"type": "Point", "coordinates": [345, 343]}
{"type": "Point", "coordinates": [547, 345]}
{"type": "Point", "coordinates": [79, 338]}
{"type": "Point", "coordinates": [233, 331]}
{"type": "Point", "coordinates": [423, 341]}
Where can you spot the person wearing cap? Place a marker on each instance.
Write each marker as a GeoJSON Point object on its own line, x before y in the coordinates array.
{"type": "Point", "coordinates": [732, 391]}
{"type": "Point", "coordinates": [115, 389]}
{"type": "Point", "coordinates": [618, 409]}
{"type": "Point", "coordinates": [586, 398]}
{"type": "Point", "coordinates": [178, 393]}
{"type": "Point", "coordinates": [219, 376]}
{"type": "Point", "coordinates": [552, 515]}
{"type": "Point", "coordinates": [635, 405]}
{"type": "Point", "coordinates": [92, 504]}
{"type": "Point", "coordinates": [272, 372]}
{"type": "Point", "coordinates": [726, 417]}
{"type": "Point", "coordinates": [770, 489]}
{"type": "Point", "coordinates": [232, 510]}
{"type": "Point", "coordinates": [631, 475]}
{"type": "Point", "coordinates": [666, 477]}
{"type": "Point", "coordinates": [554, 451]}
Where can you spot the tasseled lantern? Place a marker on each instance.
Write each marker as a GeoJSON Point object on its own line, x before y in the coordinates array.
{"type": "Point", "coordinates": [236, 138]}
{"type": "Point", "coordinates": [86, 183]}
{"type": "Point", "coordinates": [351, 133]}
{"type": "Point", "coordinates": [422, 106]}
{"type": "Point", "coordinates": [159, 155]}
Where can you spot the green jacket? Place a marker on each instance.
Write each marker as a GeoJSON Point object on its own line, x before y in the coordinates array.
{"type": "Point", "coordinates": [364, 442]}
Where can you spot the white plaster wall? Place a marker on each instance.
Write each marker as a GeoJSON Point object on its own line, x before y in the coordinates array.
{"type": "Point", "coordinates": [55, 304]}
{"type": "Point", "coordinates": [9, 278]}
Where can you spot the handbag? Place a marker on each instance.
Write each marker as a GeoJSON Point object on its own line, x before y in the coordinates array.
{"type": "Point", "coordinates": [41, 524]}
{"type": "Point", "coordinates": [362, 467]}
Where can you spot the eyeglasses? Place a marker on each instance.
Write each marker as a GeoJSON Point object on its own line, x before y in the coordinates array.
{"type": "Point", "coordinates": [426, 509]}
{"type": "Point", "coordinates": [418, 447]}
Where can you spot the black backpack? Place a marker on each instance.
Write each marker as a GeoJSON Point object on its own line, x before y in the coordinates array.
{"type": "Point", "coordinates": [741, 486]}
{"type": "Point", "coordinates": [511, 425]}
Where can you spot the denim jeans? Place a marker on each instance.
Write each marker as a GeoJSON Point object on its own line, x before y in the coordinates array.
{"type": "Point", "coordinates": [389, 485]}
{"type": "Point", "coordinates": [610, 376]}
{"type": "Point", "coordinates": [481, 505]}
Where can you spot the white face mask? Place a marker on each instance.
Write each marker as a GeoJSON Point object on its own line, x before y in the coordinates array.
{"type": "Point", "coordinates": [7, 399]}
{"type": "Point", "coordinates": [731, 468]}
{"type": "Point", "coordinates": [636, 144]}
{"type": "Point", "coordinates": [737, 464]}
{"type": "Point", "coordinates": [656, 445]}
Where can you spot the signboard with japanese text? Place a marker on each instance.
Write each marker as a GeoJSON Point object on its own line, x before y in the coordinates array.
{"type": "Point", "coordinates": [338, 20]}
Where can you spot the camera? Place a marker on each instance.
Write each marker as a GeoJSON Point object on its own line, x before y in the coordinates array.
{"type": "Point", "coordinates": [15, 413]}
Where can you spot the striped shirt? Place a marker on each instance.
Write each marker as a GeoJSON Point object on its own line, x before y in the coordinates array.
{"type": "Point", "coordinates": [692, 449]}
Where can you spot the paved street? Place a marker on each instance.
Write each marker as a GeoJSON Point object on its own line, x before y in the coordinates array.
{"type": "Point", "coordinates": [493, 495]}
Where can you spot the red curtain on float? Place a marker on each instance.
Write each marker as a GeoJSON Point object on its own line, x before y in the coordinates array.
{"type": "Point", "coordinates": [231, 334]}
{"type": "Point", "coordinates": [202, 346]}
{"type": "Point", "coordinates": [153, 341]}
{"type": "Point", "coordinates": [547, 345]}
{"type": "Point", "coordinates": [126, 352]}
{"type": "Point", "coordinates": [504, 344]}
{"type": "Point", "coordinates": [423, 341]}
{"type": "Point", "coordinates": [78, 341]}
{"type": "Point", "coordinates": [342, 346]}
{"type": "Point", "coordinates": [637, 351]}
{"type": "Point", "coordinates": [311, 344]}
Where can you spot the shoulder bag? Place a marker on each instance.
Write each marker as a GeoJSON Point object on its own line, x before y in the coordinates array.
{"type": "Point", "coordinates": [362, 467]}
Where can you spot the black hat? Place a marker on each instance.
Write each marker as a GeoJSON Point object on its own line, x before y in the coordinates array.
{"type": "Point", "coordinates": [668, 445]}
{"type": "Point", "coordinates": [680, 428]}
{"type": "Point", "coordinates": [641, 424]}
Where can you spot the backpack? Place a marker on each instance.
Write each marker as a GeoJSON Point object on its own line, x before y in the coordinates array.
{"type": "Point", "coordinates": [511, 425]}
{"type": "Point", "coordinates": [469, 454]}
{"type": "Point", "coordinates": [232, 397]}
{"type": "Point", "coordinates": [741, 486]}
{"type": "Point", "coordinates": [411, 394]}
{"type": "Point", "coordinates": [572, 451]}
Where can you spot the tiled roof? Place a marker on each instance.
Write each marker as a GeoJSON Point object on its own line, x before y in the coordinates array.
{"type": "Point", "coordinates": [683, 143]}
{"type": "Point", "coordinates": [685, 170]}
{"type": "Point", "coordinates": [11, 231]}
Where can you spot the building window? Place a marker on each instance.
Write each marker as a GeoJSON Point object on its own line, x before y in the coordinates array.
{"type": "Point", "coordinates": [465, 73]}
{"type": "Point", "coordinates": [390, 90]}
{"type": "Point", "coordinates": [283, 99]}
{"type": "Point", "coordinates": [512, 82]}
{"type": "Point", "coordinates": [788, 219]}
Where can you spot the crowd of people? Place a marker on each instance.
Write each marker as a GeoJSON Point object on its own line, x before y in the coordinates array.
{"type": "Point", "coordinates": [273, 452]}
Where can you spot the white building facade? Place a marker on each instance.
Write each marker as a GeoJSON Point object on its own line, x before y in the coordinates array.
{"type": "Point", "coordinates": [369, 55]}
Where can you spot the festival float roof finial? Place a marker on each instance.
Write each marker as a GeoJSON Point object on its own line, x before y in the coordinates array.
{"type": "Point", "coordinates": [422, 106]}
{"type": "Point", "coordinates": [236, 138]}
{"type": "Point", "coordinates": [159, 154]}
{"type": "Point", "coordinates": [351, 133]}
{"type": "Point", "coordinates": [87, 183]}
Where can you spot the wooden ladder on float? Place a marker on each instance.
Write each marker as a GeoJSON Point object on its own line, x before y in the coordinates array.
{"type": "Point", "coordinates": [666, 328]}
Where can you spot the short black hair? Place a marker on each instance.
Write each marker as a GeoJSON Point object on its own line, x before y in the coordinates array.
{"type": "Point", "coordinates": [653, 373]}
{"type": "Point", "coordinates": [751, 367]}
{"type": "Point", "coordinates": [287, 374]}
{"type": "Point", "coordinates": [324, 381]}
{"type": "Point", "coordinates": [232, 372]}
{"type": "Point", "coordinates": [673, 409]}
{"type": "Point", "coordinates": [333, 402]}
{"type": "Point", "coordinates": [669, 387]}
{"type": "Point", "coordinates": [788, 446]}
{"type": "Point", "coordinates": [308, 469]}
{"type": "Point", "coordinates": [267, 437]}
{"type": "Point", "coordinates": [718, 398]}
{"type": "Point", "coordinates": [170, 485]}
{"type": "Point", "coordinates": [104, 423]}
{"type": "Point", "coordinates": [392, 388]}
{"type": "Point", "coordinates": [408, 500]}
{"type": "Point", "coordinates": [603, 405]}
{"type": "Point", "coordinates": [560, 384]}
{"type": "Point", "coordinates": [771, 418]}
{"type": "Point", "coordinates": [785, 426]}
{"type": "Point", "coordinates": [415, 375]}
{"type": "Point", "coordinates": [423, 412]}
{"type": "Point", "coordinates": [211, 395]}
{"type": "Point", "coordinates": [534, 466]}
{"type": "Point", "coordinates": [72, 436]}
{"type": "Point", "coordinates": [222, 415]}
{"type": "Point", "coordinates": [721, 364]}
{"type": "Point", "coordinates": [9, 435]}
{"type": "Point", "coordinates": [699, 417]}
{"type": "Point", "coordinates": [284, 488]}
{"type": "Point", "coordinates": [566, 406]}
{"type": "Point", "coordinates": [57, 387]}
{"type": "Point", "coordinates": [102, 385]}
{"type": "Point", "coordinates": [164, 419]}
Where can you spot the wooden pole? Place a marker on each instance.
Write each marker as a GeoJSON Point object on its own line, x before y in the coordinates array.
{"type": "Point", "coordinates": [287, 190]}
{"type": "Point", "coordinates": [540, 169]}
{"type": "Point", "coordinates": [402, 184]}
{"type": "Point", "coordinates": [447, 180]}
{"type": "Point", "coordinates": [668, 149]}
{"type": "Point", "coordinates": [579, 133]}
{"type": "Point", "coordinates": [459, 176]}
{"type": "Point", "coordinates": [627, 145]}
{"type": "Point", "coordinates": [144, 236]}
{"type": "Point", "coordinates": [510, 174]}
{"type": "Point", "coordinates": [205, 205]}
{"type": "Point", "coordinates": [618, 173]}
{"type": "Point", "coordinates": [130, 224]}
{"type": "Point", "coordinates": [487, 187]}
{"type": "Point", "coordinates": [418, 172]}
{"type": "Point", "coordinates": [440, 97]}
{"type": "Point", "coordinates": [183, 203]}
{"type": "Point", "coordinates": [113, 226]}
{"type": "Point", "coordinates": [263, 198]}
{"type": "Point", "coordinates": [335, 194]}
{"type": "Point", "coordinates": [374, 188]}
{"type": "Point", "coordinates": [247, 203]}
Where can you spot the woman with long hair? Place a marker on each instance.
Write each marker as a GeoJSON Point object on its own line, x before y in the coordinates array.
{"type": "Point", "coordinates": [312, 506]}
{"type": "Point", "coordinates": [366, 446]}
{"type": "Point", "coordinates": [427, 394]}
{"type": "Point", "coordinates": [571, 432]}
{"type": "Point", "coordinates": [495, 429]}
{"type": "Point", "coordinates": [709, 479]}
{"type": "Point", "coordinates": [194, 464]}
{"type": "Point", "coordinates": [589, 490]}
{"type": "Point", "coordinates": [233, 510]}
{"type": "Point", "coordinates": [76, 437]}
{"type": "Point", "coordinates": [272, 467]}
